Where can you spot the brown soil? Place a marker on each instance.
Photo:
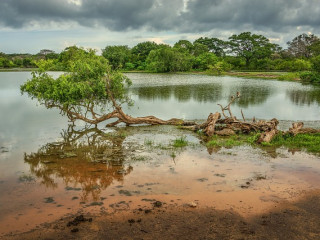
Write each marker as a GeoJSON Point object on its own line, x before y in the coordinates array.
{"type": "Point", "coordinates": [297, 220]}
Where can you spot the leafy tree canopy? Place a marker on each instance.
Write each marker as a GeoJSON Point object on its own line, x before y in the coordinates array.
{"type": "Point", "coordinates": [215, 45]}
{"type": "Point", "coordinates": [117, 55]}
{"type": "Point", "coordinates": [251, 46]}
{"type": "Point", "coordinates": [88, 80]}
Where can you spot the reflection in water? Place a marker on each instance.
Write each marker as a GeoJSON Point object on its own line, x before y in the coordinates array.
{"type": "Point", "coordinates": [183, 93]}
{"type": "Point", "coordinates": [251, 95]}
{"type": "Point", "coordinates": [88, 157]}
{"type": "Point", "coordinates": [304, 97]}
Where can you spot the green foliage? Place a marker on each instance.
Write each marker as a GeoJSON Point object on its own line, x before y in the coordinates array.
{"type": "Point", "coordinates": [167, 59]}
{"type": "Point", "coordinates": [180, 142]}
{"type": "Point", "coordinates": [205, 61]}
{"type": "Point", "coordinates": [245, 51]}
{"type": "Point", "coordinates": [219, 67]}
{"type": "Point", "coordinates": [311, 77]}
{"type": "Point", "coordinates": [228, 142]}
{"type": "Point", "coordinates": [142, 50]}
{"type": "Point", "coordinates": [316, 63]}
{"type": "Point", "coordinates": [308, 142]}
{"type": "Point", "coordinates": [117, 56]}
{"type": "Point", "coordinates": [214, 45]}
{"type": "Point", "coordinates": [184, 46]}
{"type": "Point", "coordinates": [199, 49]}
{"type": "Point", "coordinates": [290, 76]}
{"type": "Point", "coordinates": [251, 46]}
{"type": "Point", "coordinates": [84, 82]}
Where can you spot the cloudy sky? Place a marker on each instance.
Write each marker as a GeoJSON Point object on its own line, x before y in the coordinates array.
{"type": "Point", "coordinates": [32, 25]}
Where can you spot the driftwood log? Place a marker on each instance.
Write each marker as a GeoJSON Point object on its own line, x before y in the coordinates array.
{"type": "Point", "coordinates": [230, 125]}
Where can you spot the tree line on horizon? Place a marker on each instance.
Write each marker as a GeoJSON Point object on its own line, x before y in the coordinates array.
{"type": "Point", "coordinates": [245, 51]}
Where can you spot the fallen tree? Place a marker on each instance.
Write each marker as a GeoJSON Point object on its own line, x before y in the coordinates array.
{"type": "Point", "coordinates": [92, 92]}
{"type": "Point", "coordinates": [89, 91]}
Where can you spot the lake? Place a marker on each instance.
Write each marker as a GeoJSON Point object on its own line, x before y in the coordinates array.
{"type": "Point", "coordinates": [49, 168]}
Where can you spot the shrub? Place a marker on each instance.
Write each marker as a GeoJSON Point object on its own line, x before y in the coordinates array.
{"type": "Point", "coordinates": [312, 77]}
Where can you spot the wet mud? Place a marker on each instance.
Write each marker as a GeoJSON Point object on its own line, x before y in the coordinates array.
{"type": "Point", "coordinates": [133, 184]}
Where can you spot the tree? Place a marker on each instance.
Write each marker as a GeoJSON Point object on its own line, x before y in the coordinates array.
{"type": "Point", "coordinates": [199, 49]}
{"type": "Point", "coordinates": [167, 59]}
{"type": "Point", "coordinates": [140, 53]}
{"type": "Point", "coordinates": [205, 60]}
{"type": "Point", "coordinates": [314, 48]}
{"type": "Point", "coordinates": [184, 46]}
{"type": "Point", "coordinates": [117, 56]}
{"type": "Point", "coordinates": [300, 46]}
{"type": "Point", "coordinates": [215, 45]}
{"type": "Point", "coordinates": [90, 91]}
{"type": "Point", "coordinates": [251, 46]}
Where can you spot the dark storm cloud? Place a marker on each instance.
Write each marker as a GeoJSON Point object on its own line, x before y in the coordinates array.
{"type": "Point", "coordinates": [116, 15]}
{"type": "Point", "coordinates": [168, 15]}
{"type": "Point", "coordinates": [275, 15]}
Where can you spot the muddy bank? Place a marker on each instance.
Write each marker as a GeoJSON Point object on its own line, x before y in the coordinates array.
{"type": "Point", "coordinates": [118, 173]}
{"type": "Point", "coordinates": [297, 220]}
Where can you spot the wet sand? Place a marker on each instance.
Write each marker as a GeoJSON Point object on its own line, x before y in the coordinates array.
{"type": "Point", "coordinates": [290, 220]}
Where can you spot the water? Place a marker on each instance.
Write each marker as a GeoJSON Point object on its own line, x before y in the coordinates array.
{"type": "Point", "coordinates": [49, 168]}
{"type": "Point", "coordinates": [194, 96]}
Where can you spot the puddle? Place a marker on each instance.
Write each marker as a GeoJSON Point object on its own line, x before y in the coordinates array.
{"type": "Point", "coordinates": [131, 168]}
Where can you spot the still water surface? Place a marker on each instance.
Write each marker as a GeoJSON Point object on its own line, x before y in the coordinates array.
{"type": "Point", "coordinates": [49, 169]}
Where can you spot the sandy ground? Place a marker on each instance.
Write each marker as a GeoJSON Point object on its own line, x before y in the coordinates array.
{"type": "Point", "coordinates": [298, 220]}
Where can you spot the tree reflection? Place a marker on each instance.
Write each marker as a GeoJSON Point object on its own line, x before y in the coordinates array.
{"type": "Point", "coordinates": [87, 157]}
{"type": "Point", "coordinates": [304, 97]}
{"type": "Point", "coordinates": [182, 93]}
{"type": "Point", "coordinates": [212, 93]}
{"type": "Point", "coordinates": [251, 95]}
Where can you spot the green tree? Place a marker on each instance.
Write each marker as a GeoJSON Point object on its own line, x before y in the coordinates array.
{"type": "Point", "coordinates": [205, 61]}
{"type": "Point", "coordinates": [215, 45]}
{"type": "Point", "coordinates": [117, 56]}
{"type": "Point", "coordinates": [314, 48]}
{"type": "Point", "coordinates": [167, 59]}
{"type": "Point", "coordinates": [140, 53]}
{"type": "Point", "coordinates": [184, 46]}
{"type": "Point", "coordinates": [251, 46]}
{"type": "Point", "coordinates": [89, 90]}
{"type": "Point", "coordinates": [199, 49]}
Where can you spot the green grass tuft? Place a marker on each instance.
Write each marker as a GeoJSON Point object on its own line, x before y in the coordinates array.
{"type": "Point", "coordinates": [308, 142]}
{"type": "Point", "coordinates": [180, 142]}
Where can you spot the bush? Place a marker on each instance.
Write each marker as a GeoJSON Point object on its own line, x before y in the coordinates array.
{"type": "Point", "coordinates": [316, 63]}
{"type": "Point", "coordinates": [312, 77]}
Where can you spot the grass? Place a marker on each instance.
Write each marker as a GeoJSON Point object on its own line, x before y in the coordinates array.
{"type": "Point", "coordinates": [263, 75]}
{"type": "Point", "coordinates": [148, 142]}
{"type": "Point", "coordinates": [18, 69]}
{"type": "Point", "coordinates": [232, 141]}
{"type": "Point", "coordinates": [308, 142]}
{"type": "Point", "coordinates": [292, 76]}
{"type": "Point", "coordinates": [180, 142]}
{"type": "Point", "coordinates": [173, 155]}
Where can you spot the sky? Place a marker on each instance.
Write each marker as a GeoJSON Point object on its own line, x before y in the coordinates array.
{"type": "Point", "coordinates": [27, 26]}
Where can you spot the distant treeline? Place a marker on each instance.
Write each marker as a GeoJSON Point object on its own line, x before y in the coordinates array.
{"type": "Point", "coordinates": [245, 51]}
